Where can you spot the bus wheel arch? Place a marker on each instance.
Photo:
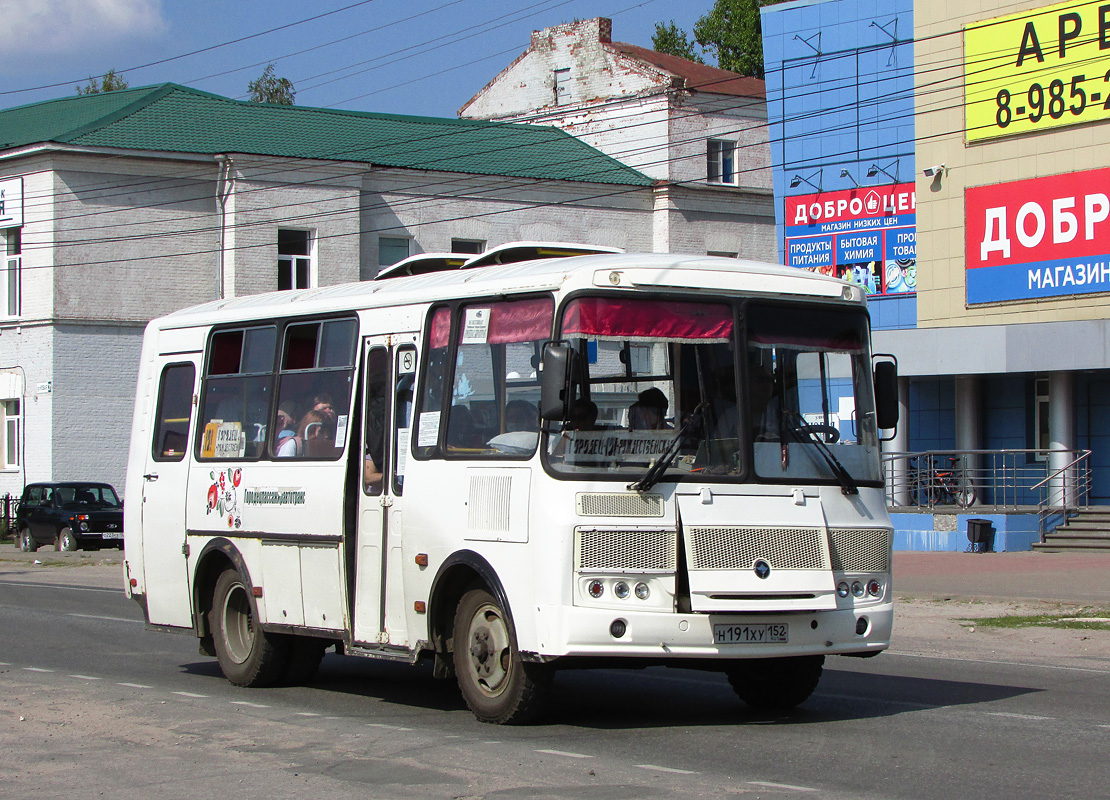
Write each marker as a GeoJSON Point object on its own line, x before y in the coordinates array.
{"type": "Point", "coordinates": [216, 557]}
{"type": "Point", "coordinates": [458, 574]}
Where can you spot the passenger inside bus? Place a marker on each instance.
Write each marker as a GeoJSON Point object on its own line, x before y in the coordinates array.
{"type": "Point", "coordinates": [649, 412]}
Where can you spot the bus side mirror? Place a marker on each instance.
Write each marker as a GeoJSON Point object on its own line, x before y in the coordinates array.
{"type": "Point", "coordinates": [555, 384]}
{"type": "Point", "coordinates": [886, 394]}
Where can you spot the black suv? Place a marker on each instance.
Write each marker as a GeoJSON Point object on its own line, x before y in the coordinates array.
{"type": "Point", "coordinates": [70, 516]}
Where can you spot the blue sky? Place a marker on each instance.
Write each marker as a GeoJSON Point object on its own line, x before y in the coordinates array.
{"type": "Point", "coordinates": [424, 57]}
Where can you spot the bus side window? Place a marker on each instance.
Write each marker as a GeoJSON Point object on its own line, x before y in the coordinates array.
{"type": "Point", "coordinates": [175, 405]}
{"type": "Point", "coordinates": [237, 392]}
{"type": "Point", "coordinates": [374, 464]}
{"type": "Point", "coordinates": [436, 369]}
{"type": "Point", "coordinates": [404, 379]}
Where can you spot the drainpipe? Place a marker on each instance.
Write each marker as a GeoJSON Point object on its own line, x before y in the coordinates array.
{"type": "Point", "coordinates": [223, 192]}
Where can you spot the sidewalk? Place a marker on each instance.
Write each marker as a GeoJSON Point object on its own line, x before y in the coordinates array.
{"type": "Point", "coordinates": [1081, 579]}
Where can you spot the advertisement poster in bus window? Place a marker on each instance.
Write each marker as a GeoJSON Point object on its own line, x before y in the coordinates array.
{"type": "Point", "coordinates": [866, 235]}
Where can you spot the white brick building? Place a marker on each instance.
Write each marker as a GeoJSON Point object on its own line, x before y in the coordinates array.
{"type": "Point", "coordinates": [700, 132]}
{"type": "Point", "coordinates": [120, 207]}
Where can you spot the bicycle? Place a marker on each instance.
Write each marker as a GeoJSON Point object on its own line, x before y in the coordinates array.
{"type": "Point", "coordinates": [944, 486]}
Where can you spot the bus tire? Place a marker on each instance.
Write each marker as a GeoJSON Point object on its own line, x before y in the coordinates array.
{"type": "Point", "coordinates": [775, 684]}
{"type": "Point", "coordinates": [305, 655]}
{"type": "Point", "coordinates": [496, 684]}
{"type": "Point", "coordinates": [248, 655]}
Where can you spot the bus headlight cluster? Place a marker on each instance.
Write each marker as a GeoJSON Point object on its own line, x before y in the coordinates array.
{"type": "Point", "coordinates": [621, 590]}
{"type": "Point", "coordinates": [857, 588]}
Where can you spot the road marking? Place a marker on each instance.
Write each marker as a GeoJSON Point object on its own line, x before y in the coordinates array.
{"type": "Point", "coordinates": [247, 704]}
{"type": "Point", "coordinates": [564, 753]}
{"type": "Point", "coordinates": [791, 787]}
{"type": "Point", "coordinates": [995, 661]}
{"type": "Point", "coordinates": [108, 619]}
{"type": "Point", "coordinates": [657, 768]}
{"type": "Point", "coordinates": [86, 677]}
{"type": "Point", "coordinates": [1008, 715]}
{"type": "Point", "coordinates": [305, 714]}
{"type": "Point", "coordinates": [37, 669]}
{"type": "Point", "coordinates": [135, 685]}
{"type": "Point", "coordinates": [190, 694]}
{"type": "Point", "coordinates": [55, 586]}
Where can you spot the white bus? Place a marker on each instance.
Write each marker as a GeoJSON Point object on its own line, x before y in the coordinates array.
{"type": "Point", "coordinates": [603, 460]}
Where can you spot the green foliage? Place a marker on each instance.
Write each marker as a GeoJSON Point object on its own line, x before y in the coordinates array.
{"type": "Point", "coordinates": [731, 31]}
{"type": "Point", "coordinates": [110, 81]}
{"type": "Point", "coordinates": [673, 40]}
{"type": "Point", "coordinates": [1085, 619]}
{"type": "Point", "coordinates": [269, 88]}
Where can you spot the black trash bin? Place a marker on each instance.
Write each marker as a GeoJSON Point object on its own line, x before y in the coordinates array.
{"type": "Point", "coordinates": [980, 535]}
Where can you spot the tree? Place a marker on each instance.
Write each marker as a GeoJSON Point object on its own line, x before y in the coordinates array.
{"type": "Point", "coordinates": [672, 39]}
{"type": "Point", "coordinates": [110, 81]}
{"type": "Point", "coordinates": [269, 88]}
{"type": "Point", "coordinates": [731, 31]}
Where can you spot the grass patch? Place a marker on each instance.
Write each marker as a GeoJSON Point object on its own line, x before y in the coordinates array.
{"type": "Point", "coordinates": [1084, 619]}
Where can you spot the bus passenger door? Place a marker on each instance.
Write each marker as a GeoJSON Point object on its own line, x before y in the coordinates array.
{"type": "Point", "coordinates": [164, 481]}
{"type": "Point", "coordinates": [387, 409]}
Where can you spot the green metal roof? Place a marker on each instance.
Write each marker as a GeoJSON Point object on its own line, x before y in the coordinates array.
{"type": "Point", "coordinates": [172, 118]}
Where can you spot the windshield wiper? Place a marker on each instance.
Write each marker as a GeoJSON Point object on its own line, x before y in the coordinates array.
{"type": "Point", "coordinates": [656, 470]}
{"type": "Point", "coordinates": [847, 484]}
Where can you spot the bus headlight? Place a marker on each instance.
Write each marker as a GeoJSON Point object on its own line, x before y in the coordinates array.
{"type": "Point", "coordinates": [596, 589]}
{"type": "Point", "coordinates": [857, 589]}
{"type": "Point", "coordinates": [874, 588]}
{"type": "Point", "coordinates": [842, 589]}
{"type": "Point", "coordinates": [642, 591]}
{"type": "Point", "coordinates": [620, 589]}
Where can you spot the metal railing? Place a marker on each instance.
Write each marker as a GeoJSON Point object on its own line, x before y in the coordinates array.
{"type": "Point", "coordinates": [1066, 490]}
{"type": "Point", "coordinates": [8, 504]}
{"type": "Point", "coordinates": [999, 478]}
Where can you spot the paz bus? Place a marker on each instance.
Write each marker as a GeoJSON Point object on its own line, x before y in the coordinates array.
{"type": "Point", "coordinates": [607, 460]}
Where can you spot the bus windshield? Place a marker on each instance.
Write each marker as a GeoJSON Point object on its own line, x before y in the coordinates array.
{"type": "Point", "coordinates": [786, 396]}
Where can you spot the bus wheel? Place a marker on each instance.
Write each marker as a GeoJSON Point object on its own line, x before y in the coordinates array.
{"type": "Point", "coordinates": [305, 655]}
{"type": "Point", "coordinates": [775, 684]}
{"type": "Point", "coordinates": [497, 686]}
{"type": "Point", "coordinates": [248, 655]}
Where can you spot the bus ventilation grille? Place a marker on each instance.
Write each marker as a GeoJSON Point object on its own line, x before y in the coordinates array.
{"type": "Point", "coordinates": [860, 549]}
{"type": "Point", "coordinates": [740, 548]}
{"type": "Point", "coordinates": [618, 504]}
{"type": "Point", "coordinates": [640, 551]}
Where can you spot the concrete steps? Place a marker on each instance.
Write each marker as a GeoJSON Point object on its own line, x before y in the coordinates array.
{"type": "Point", "coordinates": [1088, 530]}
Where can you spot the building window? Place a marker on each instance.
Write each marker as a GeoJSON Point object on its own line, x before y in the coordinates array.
{"type": "Point", "coordinates": [1041, 440]}
{"type": "Point", "coordinates": [294, 259]}
{"type": "Point", "coordinates": [721, 161]}
{"type": "Point", "coordinates": [392, 249]}
{"type": "Point", "coordinates": [10, 411]}
{"type": "Point", "coordinates": [10, 273]}
{"type": "Point", "coordinates": [468, 246]}
{"type": "Point", "coordinates": [562, 87]}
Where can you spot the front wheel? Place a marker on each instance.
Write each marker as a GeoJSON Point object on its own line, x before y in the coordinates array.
{"type": "Point", "coordinates": [248, 655]}
{"type": "Point", "coordinates": [775, 684]}
{"type": "Point", "coordinates": [66, 540]}
{"type": "Point", "coordinates": [965, 494]}
{"type": "Point", "coordinates": [495, 683]}
{"type": "Point", "coordinates": [26, 542]}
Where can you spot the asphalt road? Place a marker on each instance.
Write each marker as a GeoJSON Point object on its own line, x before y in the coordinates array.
{"type": "Point", "coordinates": [93, 704]}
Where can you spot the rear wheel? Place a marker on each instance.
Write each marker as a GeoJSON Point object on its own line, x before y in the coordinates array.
{"type": "Point", "coordinates": [248, 655]}
{"type": "Point", "coordinates": [497, 685]}
{"type": "Point", "coordinates": [66, 540]}
{"type": "Point", "coordinates": [965, 494]}
{"type": "Point", "coordinates": [26, 542]}
{"type": "Point", "coordinates": [775, 684]}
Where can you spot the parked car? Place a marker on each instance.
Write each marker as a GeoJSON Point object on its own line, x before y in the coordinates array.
{"type": "Point", "coordinates": [70, 515]}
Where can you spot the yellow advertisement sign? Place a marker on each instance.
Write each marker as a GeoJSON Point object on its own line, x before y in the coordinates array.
{"type": "Point", "coordinates": [1037, 69]}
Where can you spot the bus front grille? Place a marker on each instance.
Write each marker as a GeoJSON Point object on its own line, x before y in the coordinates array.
{"type": "Point", "coordinates": [625, 550]}
{"type": "Point", "coordinates": [740, 548]}
{"type": "Point", "coordinates": [860, 549]}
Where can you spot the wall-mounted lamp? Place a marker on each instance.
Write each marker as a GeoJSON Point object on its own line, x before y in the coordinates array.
{"type": "Point", "coordinates": [798, 180]}
{"type": "Point", "coordinates": [844, 173]}
{"type": "Point", "coordinates": [875, 169]}
{"type": "Point", "coordinates": [933, 171]}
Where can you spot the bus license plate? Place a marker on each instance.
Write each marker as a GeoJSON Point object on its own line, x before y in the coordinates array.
{"type": "Point", "coordinates": [751, 634]}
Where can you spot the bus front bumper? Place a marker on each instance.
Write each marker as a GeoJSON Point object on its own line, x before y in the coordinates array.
{"type": "Point", "coordinates": [575, 631]}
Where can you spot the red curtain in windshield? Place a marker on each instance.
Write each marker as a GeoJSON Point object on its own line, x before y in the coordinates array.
{"type": "Point", "coordinates": [520, 320]}
{"type": "Point", "coordinates": [441, 328]}
{"type": "Point", "coordinates": [617, 318]}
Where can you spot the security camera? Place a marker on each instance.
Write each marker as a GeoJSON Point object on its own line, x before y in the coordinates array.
{"type": "Point", "coordinates": [937, 169]}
